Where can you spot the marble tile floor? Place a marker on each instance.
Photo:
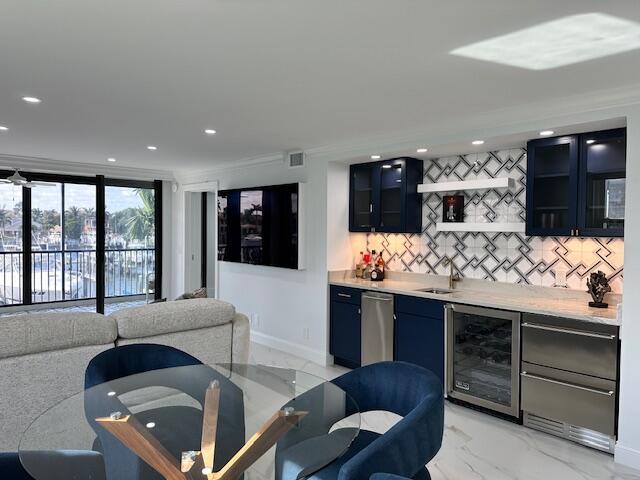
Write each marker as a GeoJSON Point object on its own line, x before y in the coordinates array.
{"type": "Point", "coordinates": [477, 446]}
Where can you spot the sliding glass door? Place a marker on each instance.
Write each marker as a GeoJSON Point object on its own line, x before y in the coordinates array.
{"type": "Point", "coordinates": [63, 242]}
{"type": "Point", "coordinates": [79, 238]}
{"type": "Point", "coordinates": [130, 256]}
{"type": "Point", "coordinates": [11, 245]}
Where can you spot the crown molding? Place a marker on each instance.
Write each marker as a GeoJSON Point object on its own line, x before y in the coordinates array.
{"type": "Point", "coordinates": [47, 165]}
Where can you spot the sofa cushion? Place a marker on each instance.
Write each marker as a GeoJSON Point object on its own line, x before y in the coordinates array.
{"type": "Point", "coordinates": [44, 332]}
{"type": "Point", "coordinates": [169, 317]}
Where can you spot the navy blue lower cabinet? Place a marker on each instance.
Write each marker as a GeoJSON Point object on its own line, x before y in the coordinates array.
{"type": "Point", "coordinates": [419, 333]}
{"type": "Point", "coordinates": [344, 336]}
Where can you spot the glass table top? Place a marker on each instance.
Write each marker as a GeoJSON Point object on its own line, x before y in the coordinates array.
{"type": "Point", "coordinates": [251, 414]}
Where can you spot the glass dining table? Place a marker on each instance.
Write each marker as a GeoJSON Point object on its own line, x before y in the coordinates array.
{"type": "Point", "coordinates": [201, 422]}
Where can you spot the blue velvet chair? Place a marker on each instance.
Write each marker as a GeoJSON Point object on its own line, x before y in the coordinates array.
{"type": "Point", "coordinates": [402, 388]}
{"type": "Point", "coordinates": [55, 465]}
{"type": "Point", "coordinates": [178, 428]}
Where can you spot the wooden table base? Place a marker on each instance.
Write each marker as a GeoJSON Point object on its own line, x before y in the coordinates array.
{"type": "Point", "coordinates": [140, 441]}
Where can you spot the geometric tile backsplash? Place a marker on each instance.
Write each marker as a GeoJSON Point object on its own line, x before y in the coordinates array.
{"type": "Point", "coordinates": [502, 257]}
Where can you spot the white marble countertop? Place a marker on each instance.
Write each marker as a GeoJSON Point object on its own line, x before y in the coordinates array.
{"type": "Point", "coordinates": [557, 302]}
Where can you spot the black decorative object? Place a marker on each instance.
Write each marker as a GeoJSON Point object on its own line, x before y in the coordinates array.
{"type": "Point", "coordinates": [453, 208]}
{"type": "Point", "coordinates": [598, 286]}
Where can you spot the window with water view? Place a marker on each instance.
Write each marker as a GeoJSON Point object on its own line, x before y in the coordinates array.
{"type": "Point", "coordinates": [63, 231]}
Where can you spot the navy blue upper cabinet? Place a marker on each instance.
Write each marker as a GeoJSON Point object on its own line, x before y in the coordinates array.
{"type": "Point", "coordinates": [575, 185]}
{"type": "Point", "coordinates": [384, 196]}
{"type": "Point", "coordinates": [602, 183]}
{"type": "Point", "coordinates": [552, 186]}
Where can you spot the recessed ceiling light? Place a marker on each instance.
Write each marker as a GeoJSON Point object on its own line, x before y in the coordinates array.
{"type": "Point", "coordinates": [31, 99]}
{"type": "Point", "coordinates": [3, 128]}
{"type": "Point", "coordinates": [111, 159]}
{"type": "Point", "coordinates": [546, 133]}
{"type": "Point", "coordinates": [375, 157]}
{"type": "Point", "coordinates": [565, 41]}
{"type": "Point", "coordinates": [421, 150]}
{"type": "Point", "coordinates": [151, 147]}
{"type": "Point", "coordinates": [590, 141]}
{"type": "Point", "coordinates": [151, 424]}
{"type": "Point", "coordinates": [210, 131]}
{"type": "Point", "coordinates": [477, 142]}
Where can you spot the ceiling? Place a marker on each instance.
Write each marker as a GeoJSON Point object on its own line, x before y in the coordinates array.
{"type": "Point", "coordinates": [269, 75]}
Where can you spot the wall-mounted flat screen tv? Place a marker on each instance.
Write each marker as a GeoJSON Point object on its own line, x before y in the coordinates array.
{"type": "Point", "coordinates": [261, 225]}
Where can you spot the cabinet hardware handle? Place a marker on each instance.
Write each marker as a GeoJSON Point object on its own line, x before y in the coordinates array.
{"type": "Point", "coordinates": [370, 207]}
{"type": "Point", "coordinates": [345, 295]}
{"type": "Point", "coordinates": [378, 298]}
{"type": "Point", "coordinates": [571, 331]}
{"type": "Point", "coordinates": [608, 393]}
{"type": "Point", "coordinates": [577, 232]}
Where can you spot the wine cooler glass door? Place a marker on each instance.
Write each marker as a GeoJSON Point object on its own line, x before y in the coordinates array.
{"type": "Point", "coordinates": [483, 353]}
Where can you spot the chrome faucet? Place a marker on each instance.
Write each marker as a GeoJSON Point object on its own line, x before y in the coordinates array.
{"type": "Point", "coordinates": [453, 277]}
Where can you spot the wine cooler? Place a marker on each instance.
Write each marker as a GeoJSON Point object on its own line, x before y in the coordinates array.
{"type": "Point", "coordinates": [483, 357]}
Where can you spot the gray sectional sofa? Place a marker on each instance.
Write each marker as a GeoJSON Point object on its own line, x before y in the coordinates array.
{"type": "Point", "coordinates": [43, 356]}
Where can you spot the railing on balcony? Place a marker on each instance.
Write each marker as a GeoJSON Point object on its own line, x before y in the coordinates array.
{"type": "Point", "coordinates": [11, 278]}
{"type": "Point", "coordinates": [127, 271]}
{"type": "Point", "coordinates": [58, 275]}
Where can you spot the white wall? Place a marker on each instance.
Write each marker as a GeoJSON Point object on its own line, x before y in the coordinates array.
{"type": "Point", "coordinates": [628, 448]}
{"type": "Point", "coordinates": [289, 307]}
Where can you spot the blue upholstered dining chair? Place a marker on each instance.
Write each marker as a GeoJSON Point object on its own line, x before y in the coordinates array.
{"type": "Point", "coordinates": [177, 427]}
{"type": "Point", "coordinates": [402, 388]}
{"type": "Point", "coordinates": [71, 465]}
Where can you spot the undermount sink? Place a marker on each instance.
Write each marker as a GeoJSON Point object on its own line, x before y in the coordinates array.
{"type": "Point", "coordinates": [437, 291]}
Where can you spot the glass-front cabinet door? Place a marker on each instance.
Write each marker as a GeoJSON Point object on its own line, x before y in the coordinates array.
{"type": "Point", "coordinates": [602, 183]}
{"type": "Point", "coordinates": [391, 196]}
{"type": "Point", "coordinates": [362, 198]}
{"type": "Point", "coordinates": [483, 357]}
{"type": "Point", "coordinates": [552, 180]}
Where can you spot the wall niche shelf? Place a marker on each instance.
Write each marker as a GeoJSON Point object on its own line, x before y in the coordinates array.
{"type": "Point", "coordinates": [481, 184]}
{"type": "Point", "coordinates": [507, 227]}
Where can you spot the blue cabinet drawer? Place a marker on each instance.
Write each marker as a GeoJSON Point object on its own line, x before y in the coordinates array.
{"type": "Point", "coordinates": [423, 307]}
{"type": "Point", "coordinates": [345, 294]}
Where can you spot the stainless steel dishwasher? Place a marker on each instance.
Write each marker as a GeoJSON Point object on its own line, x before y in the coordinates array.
{"type": "Point", "coordinates": [376, 327]}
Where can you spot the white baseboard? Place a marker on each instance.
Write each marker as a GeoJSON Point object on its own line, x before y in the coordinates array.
{"type": "Point", "coordinates": [628, 457]}
{"type": "Point", "coordinates": [307, 353]}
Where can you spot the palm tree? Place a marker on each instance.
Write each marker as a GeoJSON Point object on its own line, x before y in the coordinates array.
{"type": "Point", "coordinates": [73, 223]}
{"type": "Point", "coordinates": [140, 224]}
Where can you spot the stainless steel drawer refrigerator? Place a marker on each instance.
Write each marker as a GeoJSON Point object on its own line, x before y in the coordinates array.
{"type": "Point", "coordinates": [483, 357]}
{"type": "Point", "coordinates": [569, 379]}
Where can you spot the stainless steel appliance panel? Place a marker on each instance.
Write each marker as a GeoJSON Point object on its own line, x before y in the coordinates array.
{"type": "Point", "coordinates": [483, 357]}
{"type": "Point", "coordinates": [376, 327]}
{"type": "Point", "coordinates": [569, 397]}
{"type": "Point", "coordinates": [589, 349]}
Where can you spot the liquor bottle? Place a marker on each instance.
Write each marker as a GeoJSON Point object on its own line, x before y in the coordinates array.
{"type": "Point", "coordinates": [377, 275]}
{"type": "Point", "coordinates": [360, 265]}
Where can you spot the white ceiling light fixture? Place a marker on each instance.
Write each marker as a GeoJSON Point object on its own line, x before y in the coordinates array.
{"type": "Point", "coordinates": [477, 142]}
{"type": "Point", "coordinates": [210, 131]}
{"type": "Point", "coordinates": [546, 133]}
{"type": "Point", "coordinates": [553, 44]}
{"type": "Point", "coordinates": [3, 128]}
{"type": "Point", "coordinates": [590, 141]}
{"type": "Point", "coordinates": [375, 157]}
{"type": "Point", "coordinates": [31, 99]}
{"type": "Point", "coordinates": [111, 159]}
{"type": "Point", "coordinates": [421, 150]}
{"type": "Point", "coordinates": [152, 147]}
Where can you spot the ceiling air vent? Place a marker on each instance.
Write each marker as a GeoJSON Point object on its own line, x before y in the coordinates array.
{"type": "Point", "coordinates": [295, 159]}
